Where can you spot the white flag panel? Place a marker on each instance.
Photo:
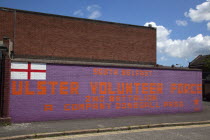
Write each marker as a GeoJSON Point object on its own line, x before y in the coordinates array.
{"type": "Point", "coordinates": [19, 75]}
{"type": "Point", "coordinates": [38, 66]}
{"type": "Point", "coordinates": [38, 76]}
{"type": "Point", "coordinates": [19, 65]}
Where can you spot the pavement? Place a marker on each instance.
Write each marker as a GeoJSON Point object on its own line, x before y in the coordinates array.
{"type": "Point", "coordinates": [80, 126]}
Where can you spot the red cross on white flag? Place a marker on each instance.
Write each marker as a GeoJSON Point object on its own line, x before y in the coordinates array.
{"type": "Point", "coordinates": [28, 71]}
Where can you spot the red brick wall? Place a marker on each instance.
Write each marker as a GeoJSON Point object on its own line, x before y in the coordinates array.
{"type": "Point", "coordinates": [6, 24]}
{"type": "Point", "coordinates": [58, 36]}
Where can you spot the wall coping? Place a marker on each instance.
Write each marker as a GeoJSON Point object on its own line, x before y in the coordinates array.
{"type": "Point", "coordinates": [104, 64]}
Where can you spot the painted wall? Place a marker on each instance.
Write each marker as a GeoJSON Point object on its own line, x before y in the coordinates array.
{"type": "Point", "coordinates": [41, 92]}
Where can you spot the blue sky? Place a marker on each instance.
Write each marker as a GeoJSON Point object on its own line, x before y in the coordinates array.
{"type": "Point", "coordinates": [183, 26]}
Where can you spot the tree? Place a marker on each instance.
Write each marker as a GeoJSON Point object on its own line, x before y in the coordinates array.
{"type": "Point", "coordinates": [206, 66]}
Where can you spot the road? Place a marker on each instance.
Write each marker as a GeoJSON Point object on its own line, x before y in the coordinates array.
{"type": "Point", "coordinates": [193, 132]}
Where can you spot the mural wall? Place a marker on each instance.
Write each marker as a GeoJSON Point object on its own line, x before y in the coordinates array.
{"type": "Point", "coordinates": [41, 92]}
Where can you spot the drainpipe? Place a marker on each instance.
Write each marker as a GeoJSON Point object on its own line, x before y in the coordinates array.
{"type": "Point", "coordinates": [4, 77]}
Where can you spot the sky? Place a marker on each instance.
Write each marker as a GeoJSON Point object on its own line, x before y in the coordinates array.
{"type": "Point", "coordinates": [183, 26]}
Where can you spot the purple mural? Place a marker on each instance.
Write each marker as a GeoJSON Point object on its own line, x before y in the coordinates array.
{"type": "Point", "coordinates": [41, 92]}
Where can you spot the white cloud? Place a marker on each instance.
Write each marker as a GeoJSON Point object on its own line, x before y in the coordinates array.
{"type": "Point", "coordinates": [163, 58]}
{"type": "Point", "coordinates": [91, 12]}
{"type": "Point", "coordinates": [94, 15]}
{"type": "Point", "coordinates": [92, 8]}
{"type": "Point", "coordinates": [94, 11]}
{"type": "Point", "coordinates": [208, 26]}
{"type": "Point", "coordinates": [187, 48]}
{"type": "Point", "coordinates": [181, 22]}
{"type": "Point", "coordinates": [200, 13]}
{"type": "Point", "coordinates": [163, 34]}
{"type": "Point", "coordinates": [78, 13]}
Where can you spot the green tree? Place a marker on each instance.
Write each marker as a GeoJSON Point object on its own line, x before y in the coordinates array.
{"type": "Point", "coordinates": [206, 66]}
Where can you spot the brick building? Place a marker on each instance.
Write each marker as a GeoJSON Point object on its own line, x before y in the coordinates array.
{"type": "Point", "coordinates": [59, 67]}
{"type": "Point", "coordinates": [60, 37]}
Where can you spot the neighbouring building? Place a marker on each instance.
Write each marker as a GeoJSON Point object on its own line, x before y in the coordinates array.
{"type": "Point", "coordinates": [200, 62]}
{"type": "Point", "coordinates": [56, 67]}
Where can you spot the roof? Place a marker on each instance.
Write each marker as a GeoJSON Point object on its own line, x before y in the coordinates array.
{"type": "Point", "coordinates": [199, 61]}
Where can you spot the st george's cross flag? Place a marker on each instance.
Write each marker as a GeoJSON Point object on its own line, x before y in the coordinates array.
{"type": "Point", "coordinates": [28, 71]}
